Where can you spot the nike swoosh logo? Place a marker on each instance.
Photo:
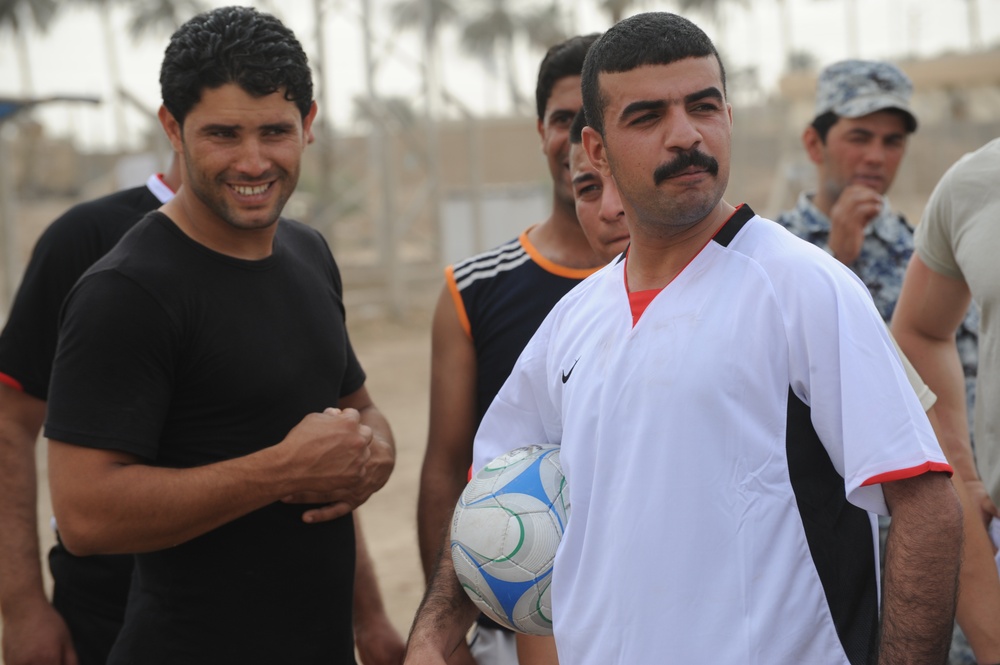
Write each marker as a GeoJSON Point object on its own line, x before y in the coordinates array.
{"type": "Point", "coordinates": [566, 375]}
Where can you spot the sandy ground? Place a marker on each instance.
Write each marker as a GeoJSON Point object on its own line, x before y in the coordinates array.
{"type": "Point", "coordinates": [396, 357]}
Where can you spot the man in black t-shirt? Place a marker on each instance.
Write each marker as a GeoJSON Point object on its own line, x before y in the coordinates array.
{"type": "Point", "coordinates": [89, 592]}
{"type": "Point", "coordinates": [205, 388]}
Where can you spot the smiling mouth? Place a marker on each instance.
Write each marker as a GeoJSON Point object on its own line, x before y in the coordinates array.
{"type": "Point", "coordinates": [250, 190]}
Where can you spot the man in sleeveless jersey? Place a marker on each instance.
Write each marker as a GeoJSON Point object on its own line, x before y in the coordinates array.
{"type": "Point", "coordinates": [488, 309]}
{"type": "Point", "coordinates": [726, 428]}
{"type": "Point", "coordinates": [206, 408]}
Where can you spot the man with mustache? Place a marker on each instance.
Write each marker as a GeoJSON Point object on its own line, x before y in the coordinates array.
{"type": "Point", "coordinates": [735, 410]}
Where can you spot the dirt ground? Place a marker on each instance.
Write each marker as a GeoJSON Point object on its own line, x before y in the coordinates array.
{"type": "Point", "coordinates": [396, 358]}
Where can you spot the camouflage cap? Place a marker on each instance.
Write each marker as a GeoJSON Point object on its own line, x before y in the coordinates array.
{"type": "Point", "coordinates": [853, 88]}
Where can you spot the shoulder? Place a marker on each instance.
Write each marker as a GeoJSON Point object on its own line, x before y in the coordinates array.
{"type": "Point", "coordinates": [788, 263]}
{"type": "Point", "coordinates": [106, 216]}
{"type": "Point", "coordinates": [489, 264]}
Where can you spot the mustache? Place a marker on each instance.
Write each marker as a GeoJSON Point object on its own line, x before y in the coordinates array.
{"type": "Point", "coordinates": [684, 161]}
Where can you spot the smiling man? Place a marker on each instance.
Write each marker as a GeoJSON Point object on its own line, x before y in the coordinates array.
{"type": "Point", "coordinates": [735, 410]}
{"type": "Point", "coordinates": [207, 411]}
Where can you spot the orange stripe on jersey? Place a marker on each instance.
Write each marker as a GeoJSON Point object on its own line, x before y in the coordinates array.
{"type": "Point", "coordinates": [456, 297]}
{"type": "Point", "coordinates": [913, 472]}
{"type": "Point", "coordinates": [8, 380]}
{"type": "Point", "coordinates": [549, 266]}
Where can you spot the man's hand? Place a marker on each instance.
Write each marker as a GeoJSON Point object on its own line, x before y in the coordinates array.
{"type": "Point", "coordinates": [855, 208]}
{"type": "Point", "coordinates": [339, 463]}
{"type": "Point", "coordinates": [981, 498]}
{"type": "Point", "coordinates": [37, 636]}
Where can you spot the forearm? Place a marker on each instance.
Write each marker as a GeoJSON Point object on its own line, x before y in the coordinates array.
{"type": "Point", "coordinates": [445, 613]}
{"type": "Point", "coordinates": [367, 597]}
{"type": "Point", "coordinates": [978, 607]}
{"type": "Point", "coordinates": [439, 492]}
{"type": "Point", "coordinates": [923, 552]}
{"type": "Point", "coordinates": [139, 508]}
{"type": "Point", "coordinates": [20, 569]}
{"type": "Point", "coordinates": [937, 362]}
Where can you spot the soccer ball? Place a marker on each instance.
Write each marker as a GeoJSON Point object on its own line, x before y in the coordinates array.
{"type": "Point", "coordinates": [504, 535]}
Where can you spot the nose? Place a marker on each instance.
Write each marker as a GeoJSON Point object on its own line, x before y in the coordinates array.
{"type": "Point", "coordinates": [252, 159]}
{"type": "Point", "coordinates": [611, 202]}
{"type": "Point", "coordinates": [682, 134]}
{"type": "Point", "coordinates": [875, 152]}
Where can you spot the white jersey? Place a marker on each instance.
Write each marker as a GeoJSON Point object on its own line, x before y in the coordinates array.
{"type": "Point", "coordinates": [720, 456]}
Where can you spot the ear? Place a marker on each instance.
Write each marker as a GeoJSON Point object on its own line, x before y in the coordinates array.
{"type": "Point", "coordinates": [540, 126]}
{"type": "Point", "coordinates": [813, 145]}
{"type": "Point", "coordinates": [307, 123]}
{"type": "Point", "coordinates": [593, 143]}
{"type": "Point", "coordinates": [172, 129]}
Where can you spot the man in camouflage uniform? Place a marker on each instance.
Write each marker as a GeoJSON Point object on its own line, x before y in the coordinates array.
{"type": "Point", "coordinates": [857, 140]}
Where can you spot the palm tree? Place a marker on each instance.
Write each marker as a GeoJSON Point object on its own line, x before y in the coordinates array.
{"type": "Point", "coordinates": [103, 8]}
{"type": "Point", "coordinates": [491, 35]}
{"type": "Point", "coordinates": [616, 9]}
{"type": "Point", "coordinates": [14, 15]}
{"type": "Point", "coordinates": [157, 16]}
{"type": "Point", "coordinates": [427, 16]}
{"type": "Point", "coordinates": [544, 27]}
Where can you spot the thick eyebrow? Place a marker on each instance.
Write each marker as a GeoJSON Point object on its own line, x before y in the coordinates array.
{"type": "Point", "coordinates": [211, 129]}
{"type": "Point", "coordinates": [710, 92]}
{"type": "Point", "coordinates": [584, 177]}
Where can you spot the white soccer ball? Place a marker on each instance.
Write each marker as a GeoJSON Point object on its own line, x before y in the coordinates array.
{"type": "Point", "coordinates": [504, 535]}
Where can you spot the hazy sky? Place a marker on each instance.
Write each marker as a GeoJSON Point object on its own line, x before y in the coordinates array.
{"type": "Point", "coordinates": [72, 58]}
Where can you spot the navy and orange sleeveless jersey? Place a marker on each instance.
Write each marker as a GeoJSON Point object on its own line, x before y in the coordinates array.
{"type": "Point", "coordinates": [501, 297]}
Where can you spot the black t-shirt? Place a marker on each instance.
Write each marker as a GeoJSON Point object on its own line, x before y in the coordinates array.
{"type": "Point", "coordinates": [70, 245]}
{"type": "Point", "coordinates": [183, 357]}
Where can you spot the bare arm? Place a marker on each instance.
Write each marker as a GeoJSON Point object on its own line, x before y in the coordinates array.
{"type": "Point", "coordinates": [923, 552]}
{"type": "Point", "coordinates": [443, 617]}
{"type": "Point", "coordinates": [110, 502]}
{"type": "Point", "coordinates": [33, 631]}
{"type": "Point", "coordinates": [929, 311]}
{"type": "Point", "coordinates": [377, 641]}
{"type": "Point", "coordinates": [452, 428]}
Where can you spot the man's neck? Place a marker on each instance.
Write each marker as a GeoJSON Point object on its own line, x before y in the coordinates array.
{"type": "Point", "coordinates": [561, 240]}
{"type": "Point", "coordinates": [654, 260]}
{"type": "Point", "coordinates": [216, 234]}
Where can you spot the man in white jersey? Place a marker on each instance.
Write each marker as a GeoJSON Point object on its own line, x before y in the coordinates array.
{"type": "Point", "coordinates": [730, 407]}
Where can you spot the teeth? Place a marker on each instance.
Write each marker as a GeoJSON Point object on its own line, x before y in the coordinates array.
{"type": "Point", "coordinates": [250, 191]}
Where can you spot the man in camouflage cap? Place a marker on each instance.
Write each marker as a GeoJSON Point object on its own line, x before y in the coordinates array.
{"type": "Point", "coordinates": [857, 140]}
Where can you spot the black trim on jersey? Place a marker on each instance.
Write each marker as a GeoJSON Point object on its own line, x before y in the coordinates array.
{"type": "Point", "coordinates": [839, 535]}
{"type": "Point", "coordinates": [737, 221]}
{"type": "Point", "coordinates": [621, 257]}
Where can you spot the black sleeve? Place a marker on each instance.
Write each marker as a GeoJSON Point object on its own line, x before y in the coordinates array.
{"type": "Point", "coordinates": [64, 251]}
{"type": "Point", "coordinates": [113, 370]}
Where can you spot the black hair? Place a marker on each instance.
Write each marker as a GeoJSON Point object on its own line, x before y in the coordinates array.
{"type": "Point", "coordinates": [824, 121]}
{"type": "Point", "coordinates": [562, 60]}
{"type": "Point", "coordinates": [233, 45]}
{"type": "Point", "coordinates": [576, 129]}
{"type": "Point", "coordinates": [652, 38]}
